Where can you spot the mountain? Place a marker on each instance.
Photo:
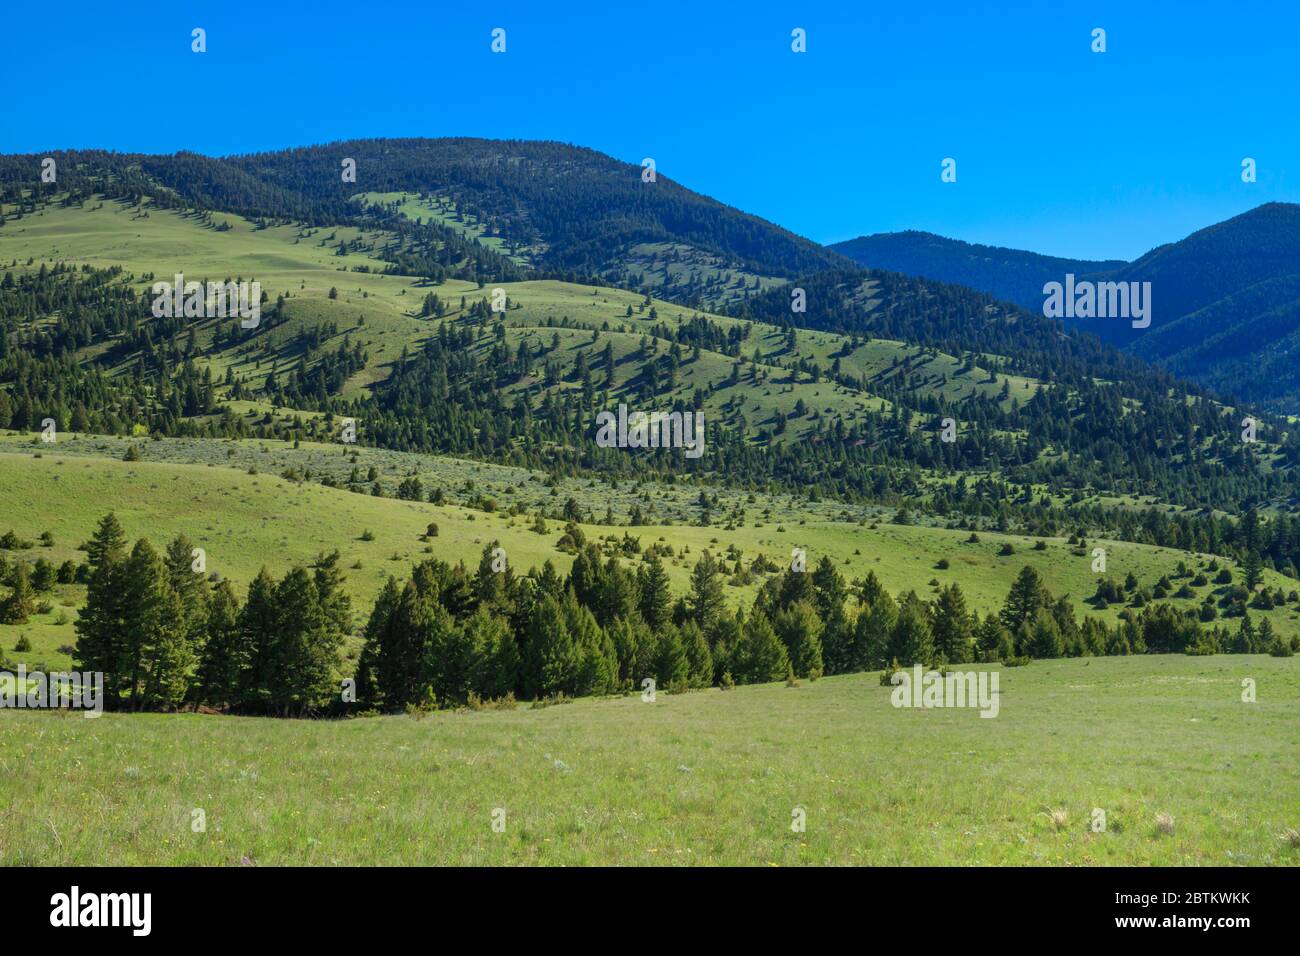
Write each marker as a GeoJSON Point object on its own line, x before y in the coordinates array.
{"type": "Point", "coordinates": [563, 210]}
{"type": "Point", "coordinates": [1225, 300]}
{"type": "Point", "coordinates": [1227, 306]}
{"type": "Point", "coordinates": [377, 307]}
{"type": "Point", "coordinates": [1008, 274]}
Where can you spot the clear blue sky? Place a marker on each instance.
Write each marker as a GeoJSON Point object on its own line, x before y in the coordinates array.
{"type": "Point", "coordinates": [1059, 149]}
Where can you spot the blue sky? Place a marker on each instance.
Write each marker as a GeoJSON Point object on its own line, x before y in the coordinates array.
{"type": "Point", "coordinates": [1058, 149]}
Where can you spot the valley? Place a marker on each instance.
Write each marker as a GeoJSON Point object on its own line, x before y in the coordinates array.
{"type": "Point", "coordinates": [423, 564]}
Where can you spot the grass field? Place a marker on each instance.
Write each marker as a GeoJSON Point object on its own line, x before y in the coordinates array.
{"type": "Point", "coordinates": [710, 777]}
{"type": "Point", "coordinates": [246, 521]}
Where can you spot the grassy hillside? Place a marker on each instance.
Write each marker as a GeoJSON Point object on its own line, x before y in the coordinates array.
{"type": "Point", "coordinates": [245, 521]}
{"type": "Point", "coordinates": [710, 777]}
{"type": "Point", "coordinates": [381, 313]}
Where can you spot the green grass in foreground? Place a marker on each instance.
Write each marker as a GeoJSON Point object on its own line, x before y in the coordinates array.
{"type": "Point", "coordinates": [705, 778]}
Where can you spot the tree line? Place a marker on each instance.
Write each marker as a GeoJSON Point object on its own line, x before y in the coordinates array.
{"type": "Point", "coordinates": [166, 637]}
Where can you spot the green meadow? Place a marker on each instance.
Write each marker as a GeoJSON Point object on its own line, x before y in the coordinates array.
{"type": "Point", "coordinates": [229, 499]}
{"type": "Point", "coordinates": [1185, 771]}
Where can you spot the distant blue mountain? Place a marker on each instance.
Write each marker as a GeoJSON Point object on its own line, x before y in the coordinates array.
{"type": "Point", "coordinates": [1225, 300]}
{"type": "Point", "coordinates": [1008, 274]}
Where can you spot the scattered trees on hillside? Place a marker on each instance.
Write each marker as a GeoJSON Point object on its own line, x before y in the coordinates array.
{"type": "Point", "coordinates": [165, 637]}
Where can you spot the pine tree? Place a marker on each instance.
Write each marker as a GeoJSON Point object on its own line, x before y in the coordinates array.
{"type": "Point", "coordinates": [1252, 570]}
{"type": "Point", "coordinates": [402, 670]}
{"type": "Point", "coordinates": [597, 659]}
{"type": "Point", "coordinates": [698, 657]}
{"type": "Point", "coordinates": [306, 647]}
{"type": "Point", "coordinates": [20, 604]}
{"type": "Point", "coordinates": [655, 594]}
{"type": "Point", "coordinates": [1044, 636]}
{"type": "Point", "coordinates": [627, 638]}
{"type": "Point", "coordinates": [109, 540]}
{"type": "Point", "coordinates": [181, 576]}
{"type": "Point", "coordinates": [800, 630]}
{"type": "Point", "coordinates": [723, 643]}
{"type": "Point", "coordinates": [618, 596]}
{"type": "Point", "coordinates": [706, 600]}
{"type": "Point", "coordinates": [796, 586]}
{"type": "Point", "coordinates": [553, 659]}
{"type": "Point", "coordinates": [498, 668]}
{"type": "Point", "coordinates": [144, 588]}
{"type": "Point", "coordinates": [257, 623]}
{"type": "Point", "coordinates": [993, 639]}
{"type": "Point", "coordinates": [99, 625]}
{"type": "Point", "coordinates": [872, 632]}
{"type": "Point", "coordinates": [327, 575]}
{"type": "Point", "coordinates": [1095, 637]}
{"type": "Point", "coordinates": [170, 660]}
{"type": "Point", "coordinates": [837, 642]}
{"type": "Point", "coordinates": [672, 668]}
{"type": "Point", "coordinates": [192, 594]}
{"type": "Point", "coordinates": [910, 641]}
{"type": "Point", "coordinates": [760, 657]}
{"type": "Point", "coordinates": [830, 589]}
{"type": "Point", "coordinates": [451, 658]}
{"type": "Point", "coordinates": [367, 673]}
{"type": "Point", "coordinates": [1272, 642]}
{"type": "Point", "coordinates": [951, 625]}
{"type": "Point", "coordinates": [1246, 641]}
{"type": "Point", "coordinates": [226, 655]}
{"type": "Point", "coordinates": [1026, 596]}
{"type": "Point", "coordinates": [491, 585]}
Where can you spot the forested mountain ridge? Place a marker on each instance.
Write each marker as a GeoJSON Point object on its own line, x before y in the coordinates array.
{"type": "Point", "coordinates": [587, 213]}
{"type": "Point", "coordinates": [1013, 275]}
{"type": "Point", "coordinates": [1226, 299]}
